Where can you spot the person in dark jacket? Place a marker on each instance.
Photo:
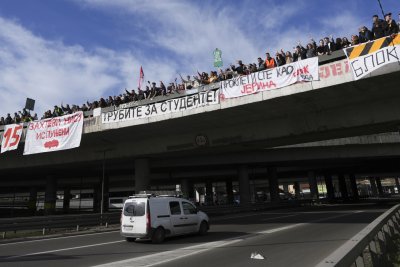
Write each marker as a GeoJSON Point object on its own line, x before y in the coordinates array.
{"type": "Point", "coordinates": [364, 35]}
{"type": "Point", "coordinates": [299, 53]}
{"type": "Point", "coordinates": [391, 26]}
{"type": "Point", "coordinates": [329, 45]}
{"type": "Point", "coordinates": [378, 27]}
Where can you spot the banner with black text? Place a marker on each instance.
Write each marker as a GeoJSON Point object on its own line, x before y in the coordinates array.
{"type": "Point", "coordinates": [300, 71]}
{"type": "Point", "coordinates": [160, 108]}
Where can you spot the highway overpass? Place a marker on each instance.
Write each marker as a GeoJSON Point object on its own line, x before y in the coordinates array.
{"type": "Point", "coordinates": [335, 127]}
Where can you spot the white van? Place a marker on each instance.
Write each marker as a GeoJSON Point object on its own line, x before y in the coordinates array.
{"type": "Point", "coordinates": [156, 217]}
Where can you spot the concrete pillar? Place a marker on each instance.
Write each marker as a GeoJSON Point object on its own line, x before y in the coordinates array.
{"type": "Point", "coordinates": [272, 176]}
{"type": "Point", "coordinates": [187, 189]}
{"type": "Point", "coordinates": [50, 196]}
{"type": "Point", "coordinates": [379, 186]}
{"type": "Point", "coordinates": [312, 180]}
{"type": "Point", "coordinates": [244, 185]}
{"type": "Point", "coordinates": [396, 180]}
{"type": "Point", "coordinates": [330, 190]}
{"type": "Point", "coordinates": [354, 188]}
{"type": "Point", "coordinates": [297, 189]}
{"type": "Point", "coordinates": [374, 189]}
{"type": "Point", "coordinates": [229, 191]}
{"type": "Point", "coordinates": [343, 186]}
{"type": "Point", "coordinates": [66, 200]}
{"type": "Point", "coordinates": [142, 174]}
{"type": "Point", "coordinates": [209, 193]}
{"type": "Point", "coordinates": [32, 200]}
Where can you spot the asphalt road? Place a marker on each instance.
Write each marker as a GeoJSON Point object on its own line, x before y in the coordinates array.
{"type": "Point", "coordinates": [283, 237]}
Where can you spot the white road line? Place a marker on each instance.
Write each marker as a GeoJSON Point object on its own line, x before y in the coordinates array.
{"type": "Point", "coordinates": [57, 238]}
{"type": "Point", "coordinates": [168, 256]}
{"type": "Point", "coordinates": [64, 249]}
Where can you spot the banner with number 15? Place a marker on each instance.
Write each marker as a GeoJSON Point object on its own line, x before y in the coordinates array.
{"type": "Point", "coordinates": [11, 137]}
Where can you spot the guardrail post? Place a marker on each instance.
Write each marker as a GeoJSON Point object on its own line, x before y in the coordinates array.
{"type": "Point", "coordinates": [77, 227]}
{"type": "Point", "coordinates": [43, 231]}
{"type": "Point", "coordinates": [4, 235]}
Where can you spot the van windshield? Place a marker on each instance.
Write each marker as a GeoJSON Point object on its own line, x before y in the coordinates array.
{"type": "Point", "coordinates": [134, 209]}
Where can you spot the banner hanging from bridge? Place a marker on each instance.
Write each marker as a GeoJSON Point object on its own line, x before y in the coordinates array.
{"type": "Point", "coordinates": [54, 134]}
{"type": "Point", "coordinates": [160, 108]}
{"type": "Point", "coordinates": [299, 71]}
{"type": "Point", "coordinates": [11, 137]}
{"type": "Point", "coordinates": [368, 57]}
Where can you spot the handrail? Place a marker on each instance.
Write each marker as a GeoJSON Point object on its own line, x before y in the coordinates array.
{"type": "Point", "coordinates": [375, 239]}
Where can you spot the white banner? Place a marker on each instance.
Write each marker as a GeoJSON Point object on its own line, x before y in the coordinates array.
{"type": "Point", "coordinates": [11, 137]}
{"type": "Point", "coordinates": [169, 106]}
{"type": "Point", "coordinates": [366, 58]}
{"type": "Point", "coordinates": [54, 134]}
{"type": "Point", "coordinates": [300, 71]}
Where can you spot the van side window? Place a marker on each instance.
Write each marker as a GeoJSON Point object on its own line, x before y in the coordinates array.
{"type": "Point", "coordinates": [188, 208]}
{"type": "Point", "coordinates": [175, 207]}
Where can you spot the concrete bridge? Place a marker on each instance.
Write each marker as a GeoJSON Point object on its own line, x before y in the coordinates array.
{"type": "Point", "coordinates": [335, 127]}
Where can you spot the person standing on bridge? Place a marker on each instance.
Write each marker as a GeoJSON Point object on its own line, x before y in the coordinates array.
{"type": "Point", "coordinates": [270, 63]}
{"type": "Point", "coordinates": [378, 27]}
{"type": "Point", "coordinates": [391, 25]}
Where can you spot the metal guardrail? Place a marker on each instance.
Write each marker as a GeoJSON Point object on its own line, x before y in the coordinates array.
{"type": "Point", "coordinates": [58, 221]}
{"type": "Point", "coordinates": [371, 246]}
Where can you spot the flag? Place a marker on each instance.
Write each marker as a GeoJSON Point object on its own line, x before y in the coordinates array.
{"type": "Point", "coordinates": [141, 77]}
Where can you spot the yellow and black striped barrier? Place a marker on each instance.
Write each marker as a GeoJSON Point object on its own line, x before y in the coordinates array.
{"type": "Point", "coordinates": [371, 47]}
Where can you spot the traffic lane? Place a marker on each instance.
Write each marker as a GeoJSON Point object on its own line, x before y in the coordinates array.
{"type": "Point", "coordinates": [83, 255]}
{"type": "Point", "coordinates": [305, 244]}
{"type": "Point", "coordinates": [73, 252]}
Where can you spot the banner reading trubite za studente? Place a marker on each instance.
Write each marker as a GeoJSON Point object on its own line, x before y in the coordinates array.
{"type": "Point", "coordinates": [368, 57]}
{"type": "Point", "coordinates": [300, 71]}
{"type": "Point", "coordinates": [11, 137]}
{"type": "Point", "coordinates": [54, 134]}
{"type": "Point", "coordinates": [188, 102]}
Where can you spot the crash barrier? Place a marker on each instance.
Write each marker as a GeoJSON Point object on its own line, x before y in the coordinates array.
{"type": "Point", "coordinates": [373, 246]}
{"type": "Point", "coordinates": [45, 223]}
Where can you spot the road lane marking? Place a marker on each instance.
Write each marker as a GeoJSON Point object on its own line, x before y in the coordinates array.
{"type": "Point", "coordinates": [168, 256]}
{"type": "Point", "coordinates": [64, 249]}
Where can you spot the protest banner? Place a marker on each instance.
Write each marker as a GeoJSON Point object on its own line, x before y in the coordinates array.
{"type": "Point", "coordinates": [54, 134]}
{"type": "Point", "coordinates": [368, 57]}
{"type": "Point", "coordinates": [11, 137]}
{"type": "Point", "coordinates": [200, 99]}
{"type": "Point", "coordinates": [300, 71]}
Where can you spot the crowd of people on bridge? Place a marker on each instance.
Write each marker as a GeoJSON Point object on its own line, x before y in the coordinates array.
{"type": "Point", "coordinates": [380, 28]}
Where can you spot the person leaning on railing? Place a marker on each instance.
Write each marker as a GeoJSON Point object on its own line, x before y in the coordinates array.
{"type": "Point", "coordinates": [391, 26]}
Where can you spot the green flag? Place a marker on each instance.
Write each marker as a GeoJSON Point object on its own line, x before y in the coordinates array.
{"type": "Point", "coordinates": [217, 58]}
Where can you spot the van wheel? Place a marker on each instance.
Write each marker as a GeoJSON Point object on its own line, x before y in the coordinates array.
{"type": "Point", "coordinates": [158, 236]}
{"type": "Point", "coordinates": [130, 239]}
{"type": "Point", "coordinates": [203, 228]}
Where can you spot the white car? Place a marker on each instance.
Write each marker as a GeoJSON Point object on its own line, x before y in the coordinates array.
{"type": "Point", "coordinates": [157, 217]}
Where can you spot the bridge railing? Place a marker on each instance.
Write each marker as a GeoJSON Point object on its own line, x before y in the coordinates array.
{"type": "Point", "coordinates": [373, 246]}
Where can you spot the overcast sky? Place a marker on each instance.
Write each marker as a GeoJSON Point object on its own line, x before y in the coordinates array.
{"type": "Point", "coordinates": [70, 51]}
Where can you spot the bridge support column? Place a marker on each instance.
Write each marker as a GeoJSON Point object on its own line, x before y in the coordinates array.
{"type": "Point", "coordinates": [379, 186]}
{"type": "Point", "coordinates": [244, 185]}
{"type": "Point", "coordinates": [396, 180]}
{"type": "Point", "coordinates": [272, 176]}
{"type": "Point", "coordinates": [32, 200]}
{"type": "Point", "coordinates": [312, 180]}
{"type": "Point", "coordinates": [209, 193]}
{"type": "Point", "coordinates": [66, 200]}
{"type": "Point", "coordinates": [187, 189]}
{"type": "Point", "coordinates": [354, 189]}
{"type": "Point", "coordinates": [343, 186]}
{"type": "Point", "coordinates": [229, 191]}
{"type": "Point", "coordinates": [142, 174]}
{"type": "Point", "coordinates": [297, 190]}
{"type": "Point", "coordinates": [96, 198]}
{"type": "Point", "coordinates": [330, 190]}
{"type": "Point", "coordinates": [50, 196]}
{"type": "Point", "coordinates": [374, 189]}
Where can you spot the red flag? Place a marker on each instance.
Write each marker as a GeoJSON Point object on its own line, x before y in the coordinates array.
{"type": "Point", "coordinates": [141, 77]}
